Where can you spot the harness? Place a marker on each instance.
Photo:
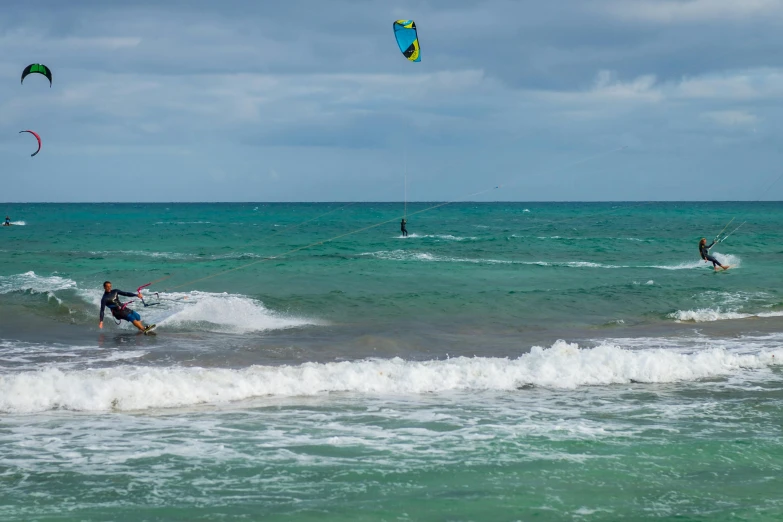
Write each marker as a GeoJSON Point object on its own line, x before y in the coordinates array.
{"type": "Point", "coordinates": [118, 311]}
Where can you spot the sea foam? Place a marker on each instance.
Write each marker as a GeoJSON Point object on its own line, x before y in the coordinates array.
{"type": "Point", "coordinates": [405, 255]}
{"type": "Point", "coordinates": [228, 312]}
{"type": "Point", "coordinates": [33, 283]}
{"type": "Point", "coordinates": [734, 261]}
{"type": "Point", "coordinates": [706, 315]}
{"type": "Point", "coordinates": [563, 366]}
{"type": "Point", "coordinates": [441, 237]}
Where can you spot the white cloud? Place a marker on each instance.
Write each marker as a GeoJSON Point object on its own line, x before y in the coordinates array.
{"type": "Point", "coordinates": [751, 85]}
{"type": "Point", "coordinates": [641, 88]}
{"type": "Point", "coordinates": [732, 118]}
{"type": "Point", "coordinates": [741, 85]}
{"type": "Point", "coordinates": [608, 88]}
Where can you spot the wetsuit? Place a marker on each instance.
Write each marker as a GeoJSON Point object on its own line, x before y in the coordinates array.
{"type": "Point", "coordinates": [7, 222]}
{"type": "Point", "coordinates": [403, 229]}
{"type": "Point", "coordinates": [704, 250]}
{"type": "Point", "coordinates": [111, 300]}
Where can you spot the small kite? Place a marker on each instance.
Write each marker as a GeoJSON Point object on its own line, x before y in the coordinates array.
{"type": "Point", "coordinates": [407, 39]}
{"type": "Point", "coordinates": [36, 137]}
{"type": "Point", "coordinates": [37, 68]}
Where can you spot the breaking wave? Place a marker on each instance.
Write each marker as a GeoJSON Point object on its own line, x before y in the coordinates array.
{"type": "Point", "coordinates": [563, 366]}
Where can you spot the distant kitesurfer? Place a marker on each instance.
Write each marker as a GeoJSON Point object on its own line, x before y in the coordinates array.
{"type": "Point", "coordinates": [120, 310]}
{"type": "Point", "coordinates": [704, 250]}
{"type": "Point", "coordinates": [402, 227]}
{"type": "Point", "coordinates": [7, 222]}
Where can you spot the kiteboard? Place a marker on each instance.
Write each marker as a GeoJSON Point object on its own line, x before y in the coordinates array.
{"type": "Point", "coordinates": [727, 267]}
{"type": "Point", "coordinates": [148, 330]}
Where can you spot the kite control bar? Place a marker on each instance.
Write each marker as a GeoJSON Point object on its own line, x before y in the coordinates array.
{"type": "Point", "coordinates": [138, 291]}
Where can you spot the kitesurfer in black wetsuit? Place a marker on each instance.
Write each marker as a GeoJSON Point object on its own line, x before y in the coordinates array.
{"type": "Point", "coordinates": [704, 251]}
{"type": "Point", "coordinates": [111, 300]}
{"type": "Point", "coordinates": [402, 227]}
{"type": "Point", "coordinates": [7, 222]}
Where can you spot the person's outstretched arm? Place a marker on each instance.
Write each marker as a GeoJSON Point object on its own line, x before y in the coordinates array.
{"type": "Point", "coordinates": [103, 307]}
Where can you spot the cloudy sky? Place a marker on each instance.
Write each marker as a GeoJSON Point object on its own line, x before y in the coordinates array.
{"type": "Point", "coordinates": [312, 101]}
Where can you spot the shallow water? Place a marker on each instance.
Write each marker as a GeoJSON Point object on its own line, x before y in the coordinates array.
{"type": "Point", "coordinates": [505, 361]}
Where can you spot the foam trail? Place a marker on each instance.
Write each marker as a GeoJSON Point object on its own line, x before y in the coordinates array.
{"type": "Point", "coordinates": [690, 265]}
{"type": "Point", "coordinates": [176, 255]}
{"type": "Point", "coordinates": [404, 255]}
{"type": "Point", "coordinates": [183, 223]}
{"type": "Point", "coordinates": [563, 365]}
{"type": "Point", "coordinates": [734, 261]}
{"type": "Point", "coordinates": [444, 237]}
{"type": "Point", "coordinates": [707, 315]}
{"type": "Point", "coordinates": [225, 313]}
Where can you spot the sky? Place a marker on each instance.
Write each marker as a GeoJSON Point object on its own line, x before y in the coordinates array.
{"type": "Point", "coordinates": [302, 100]}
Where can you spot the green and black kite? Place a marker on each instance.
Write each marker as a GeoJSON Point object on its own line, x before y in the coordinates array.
{"type": "Point", "coordinates": [37, 68]}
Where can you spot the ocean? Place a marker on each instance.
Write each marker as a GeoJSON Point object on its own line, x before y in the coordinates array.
{"type": "Point", "coordinates": [506, 361]}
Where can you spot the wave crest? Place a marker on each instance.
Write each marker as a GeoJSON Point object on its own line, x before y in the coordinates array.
{"type": "Point", "coordinates": [563, 365]}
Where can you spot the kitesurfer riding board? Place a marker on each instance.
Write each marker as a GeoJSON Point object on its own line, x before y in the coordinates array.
{"type": "Point", "coordinates": [403, 228]}
{"type": "Point", "coordinates": [704, 251]}
{"type": "Point", "coordinates": [120, 310]}
{"type": "Point", "coordinates": [7, 222]}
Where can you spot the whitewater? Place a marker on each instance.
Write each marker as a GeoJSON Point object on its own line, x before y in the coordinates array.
{"type": "Point", "coordinates": [561, 366]}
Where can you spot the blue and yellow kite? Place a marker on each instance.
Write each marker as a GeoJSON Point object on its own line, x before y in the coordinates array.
{"type": "Point", "coordinates": [407, 39]}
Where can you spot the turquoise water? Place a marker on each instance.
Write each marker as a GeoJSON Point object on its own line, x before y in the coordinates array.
{"type": "Point", "coordinates": [507, 361]}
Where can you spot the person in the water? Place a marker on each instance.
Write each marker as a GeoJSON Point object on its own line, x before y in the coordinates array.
{"type": "Point", "coordinates": [7, 222]}
{"type": "Point", "coordinates": [704, 251]}
{"type": "Point", "coordinates": [402, 227]}
{"type": "Point", "coordinates": [120, 311]}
